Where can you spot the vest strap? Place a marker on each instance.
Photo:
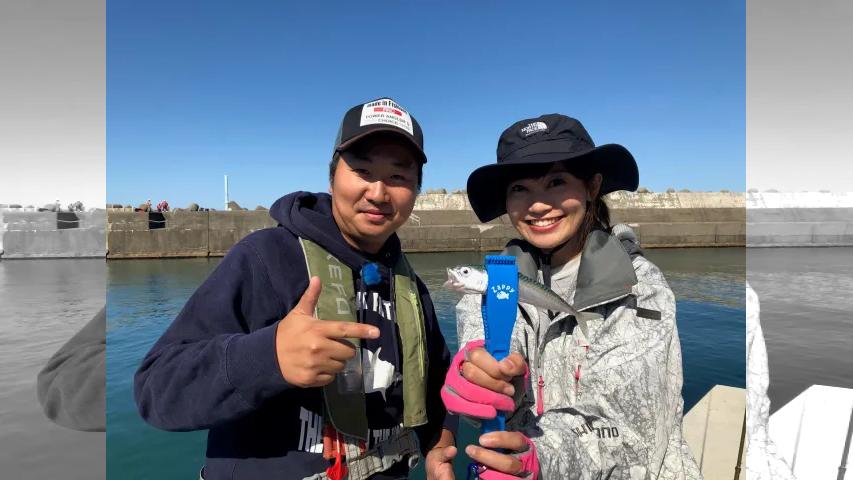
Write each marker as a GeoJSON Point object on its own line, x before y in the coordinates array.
{"type": "Point", "coordinates": [410, 323]}
{"type": "Point", "coordinates": [402, 446]}
{"type": "Point", "coordinates": [345, 410]}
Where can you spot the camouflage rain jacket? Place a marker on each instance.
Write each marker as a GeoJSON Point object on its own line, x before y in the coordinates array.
{"type": "Point", "coordinates": [604, 397]}
{"type": "Point", "coordinates": [763, 459]}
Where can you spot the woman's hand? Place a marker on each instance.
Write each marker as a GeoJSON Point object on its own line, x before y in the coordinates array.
{"type": "Point", "coordinates": [477, 385]}
{"type": "Point", "coordinates": [520, 463]}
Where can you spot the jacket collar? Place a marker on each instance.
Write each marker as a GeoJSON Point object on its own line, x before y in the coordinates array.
{"type": "Point", "coordinates": [605, 271]}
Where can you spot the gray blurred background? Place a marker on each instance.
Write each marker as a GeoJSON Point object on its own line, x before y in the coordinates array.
{"type": "Point", "coordinates": [52, 151]}
{"type": "Point", "coordinates": [799, 133]}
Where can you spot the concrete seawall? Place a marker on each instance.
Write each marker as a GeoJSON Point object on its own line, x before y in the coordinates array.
{"type": "Point", "coordinates": [440, 223]}
{"type": "Point", "coordinates": [25, 234]}
{"type": "Point", "coordinates": [179, 234]}
{"type": "Point", "coordinates": [445, 222]}
{"type": "Point", "coordinates": [808, 219]}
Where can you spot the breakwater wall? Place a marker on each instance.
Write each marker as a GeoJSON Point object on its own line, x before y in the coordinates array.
{"type": "Point", "coordinates": [445, 222]}
{"type": "Point", "coordinates": [805, 219]}
{"type": "Point", "coordinates": [179, 234]}
{"type": "Point", "coordinates": [27, 234]}
{"type": "Point", "coordinates": [440, 223]}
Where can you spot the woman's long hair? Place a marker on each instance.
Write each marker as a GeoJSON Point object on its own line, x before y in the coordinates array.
{"type": "Point", "coordinates": [597, 215]}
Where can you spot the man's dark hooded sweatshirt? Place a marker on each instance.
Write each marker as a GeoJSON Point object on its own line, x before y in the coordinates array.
{"type": "Point", "coordinates": [215, 367]}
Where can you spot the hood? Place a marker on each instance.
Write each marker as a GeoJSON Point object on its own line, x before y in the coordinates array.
{"type": "Point", "coordinates": [309, 215]}
{"type": "Point", "coordinates": [605, 271]}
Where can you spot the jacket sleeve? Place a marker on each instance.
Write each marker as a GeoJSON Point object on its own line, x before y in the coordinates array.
{"type": "Point", "coordinates": [439, 361]}
{"type": "Point", "coordinates": [211, 366]}
{"type": "Point", "coordinates": [71, 386]}
{"type": "Point", "coordinates": [469, 321]}
{"type": "Point", "coordinates": [626, 420]}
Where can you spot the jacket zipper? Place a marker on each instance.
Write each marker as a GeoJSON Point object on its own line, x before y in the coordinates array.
{"type": "Point", "coordinates": [577, 380]}
{"type": "Point", "coordinates": [540, 407]}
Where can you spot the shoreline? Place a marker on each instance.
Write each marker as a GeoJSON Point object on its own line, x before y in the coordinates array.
{"type": "Point", "coordinates": [442, 223]}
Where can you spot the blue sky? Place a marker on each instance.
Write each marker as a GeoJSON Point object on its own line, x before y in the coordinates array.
{"type": "Point", "coordinates": [256, 90]}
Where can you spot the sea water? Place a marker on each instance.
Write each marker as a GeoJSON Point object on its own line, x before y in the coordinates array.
{"type": "Point", "coordinates": [145, 296]}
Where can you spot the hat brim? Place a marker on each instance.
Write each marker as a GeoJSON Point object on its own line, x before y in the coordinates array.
{"type": "Point", "coordinates": [383, 128]}
{"type": "Point", "coordinates": [487, 185]}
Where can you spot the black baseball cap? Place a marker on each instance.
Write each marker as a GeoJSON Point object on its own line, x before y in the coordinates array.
{"type": "Point", "coordinates": [380, 115]}
{"type": "Point", "coordinates": [547, 139]}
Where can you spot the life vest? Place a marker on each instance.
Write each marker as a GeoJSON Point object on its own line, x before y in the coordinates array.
{"type": "Point", "coordinates": [347, 412]}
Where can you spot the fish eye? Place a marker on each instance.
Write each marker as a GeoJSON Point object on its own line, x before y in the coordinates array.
{"type": "Point", "coordinates": [465, 271]}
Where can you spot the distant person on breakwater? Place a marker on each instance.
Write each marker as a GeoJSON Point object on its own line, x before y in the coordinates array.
{"type": "Point", "coordinates": [144, 207]}
{"type": "Point", "coordinates": [313, 350]}
{"type": "Point", "coordinates": [586, 398]}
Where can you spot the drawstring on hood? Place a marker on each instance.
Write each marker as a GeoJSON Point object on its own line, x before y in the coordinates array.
{"type": "Point", "coordinates": [544, 261]}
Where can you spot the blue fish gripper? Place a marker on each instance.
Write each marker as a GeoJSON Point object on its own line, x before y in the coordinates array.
{"type": "Point", "coordinates": [499, 310]}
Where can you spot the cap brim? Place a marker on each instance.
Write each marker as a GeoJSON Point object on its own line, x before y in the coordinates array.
{"type": "Point", "coordinates": [383, 128]}
{"type": "Point", "coordinates": [487, 185]}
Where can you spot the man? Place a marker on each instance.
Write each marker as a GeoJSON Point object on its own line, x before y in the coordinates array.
{"type": "Point", "coordinates": [303, 377]}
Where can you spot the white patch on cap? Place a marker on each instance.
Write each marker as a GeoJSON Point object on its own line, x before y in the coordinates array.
{"type": "Point", "coordinates": [388, 112]}
{"type": "Point", "coordinates": [534, 127]}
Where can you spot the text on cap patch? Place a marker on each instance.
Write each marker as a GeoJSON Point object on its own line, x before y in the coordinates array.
{"type": "Point", "coordinates": [388, 112]}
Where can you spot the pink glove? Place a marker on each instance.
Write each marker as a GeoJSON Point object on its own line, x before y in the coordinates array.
{"type": "Point", "coordinates": [529, 466]}
{"type": "Point", "coordinates": [465, 398]}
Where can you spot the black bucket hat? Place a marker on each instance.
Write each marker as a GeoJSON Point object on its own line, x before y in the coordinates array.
{"type": "Point", "coordinates": [547, 139]}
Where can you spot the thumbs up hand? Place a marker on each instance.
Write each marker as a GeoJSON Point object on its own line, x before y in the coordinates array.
{"type": "Point", "coordinates": [311, 351]}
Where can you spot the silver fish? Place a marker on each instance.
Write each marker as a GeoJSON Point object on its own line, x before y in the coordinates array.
{"type": "Point", "coordinates": [474, 279]}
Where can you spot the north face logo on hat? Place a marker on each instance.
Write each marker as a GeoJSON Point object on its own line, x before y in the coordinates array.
{"type": "Point", "coordinates": [532, 128]}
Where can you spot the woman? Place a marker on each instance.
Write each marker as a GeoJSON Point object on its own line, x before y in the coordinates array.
{"type": "Point", "coordinates": [586, 398]}
{"type": "Point", "coordinates": [763, 459]}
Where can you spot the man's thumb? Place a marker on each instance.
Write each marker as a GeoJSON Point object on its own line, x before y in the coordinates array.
{"type": "Point", "coordinates": [449, 453]}
{"type": "Point", "coordinates": [445, 454]}
{"type": "Point", "coordinates": [441, 467]}
{"type": "Point", "coordinates": [309, 298]}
